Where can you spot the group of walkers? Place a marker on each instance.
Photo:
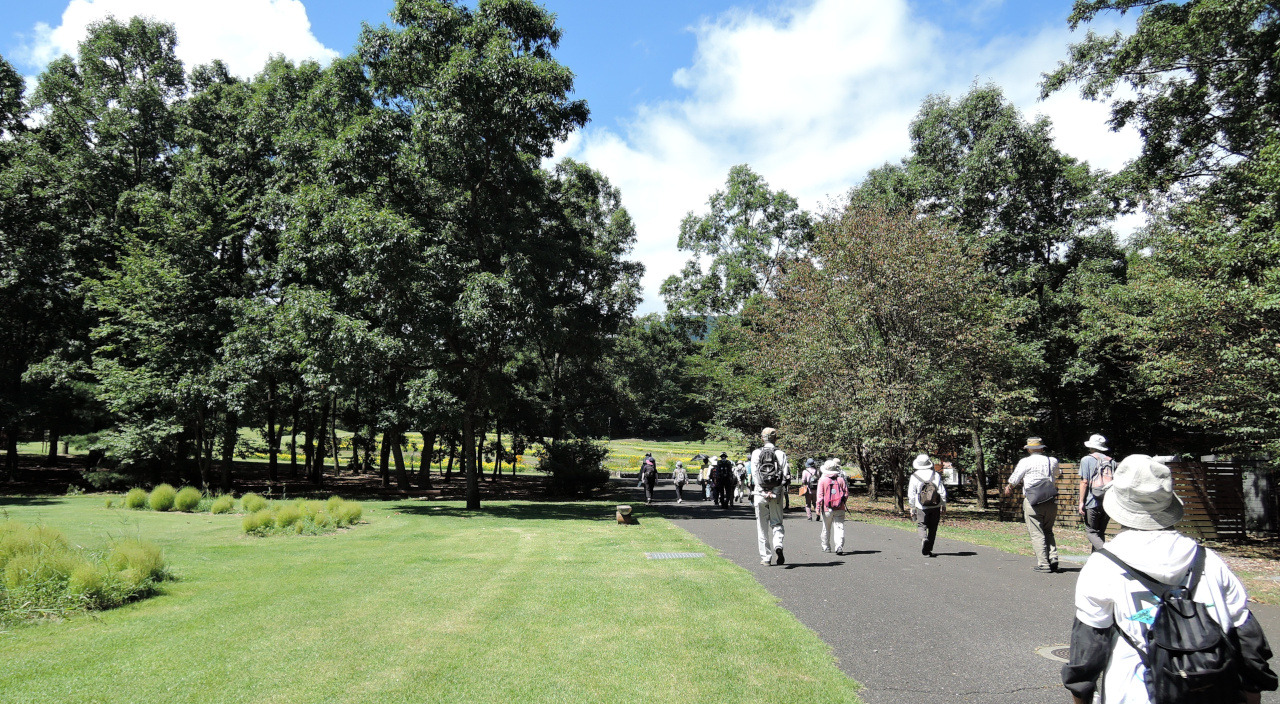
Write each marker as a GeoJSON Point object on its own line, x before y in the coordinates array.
{"type": "Point", "coordinates": [1160, 619]}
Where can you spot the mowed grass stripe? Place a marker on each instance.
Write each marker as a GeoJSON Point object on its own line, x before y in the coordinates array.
{"type": "Point", "coordinates": [428, 602]}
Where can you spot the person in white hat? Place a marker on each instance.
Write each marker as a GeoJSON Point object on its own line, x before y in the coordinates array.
{"type": "Point", "coordinates": [927, 495]}
{"type": "Point", "coordinates": [1037, 473]}
{"type": "Point", "coordinates": [1115, 610]}
{"type": "Point", "coordinates": [1096, 471]}
{"type": "Point", "coordinates": [768, 468]}
{"type": "Point", "coordinates": [832, 493]}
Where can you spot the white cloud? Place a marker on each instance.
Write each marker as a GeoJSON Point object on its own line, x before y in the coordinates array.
{"type": "Point", "coordinates": [243, 33]}
{"type": "Point", "coordinates": [812, 97]}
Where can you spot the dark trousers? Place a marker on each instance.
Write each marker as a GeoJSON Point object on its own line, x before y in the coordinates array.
{"type": "Point", "coordinates": [679, 491]}
{"type": "Point", "coordinates": [1095, 526]}
{"type": "Point", "coordinates": [927, 527]}
{"type": "Point", "coordinates": [648, 492]}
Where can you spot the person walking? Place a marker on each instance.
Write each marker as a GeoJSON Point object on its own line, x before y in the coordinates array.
{"type": "Point", "coordinates": [1148, 590]}
{"type": "Point", "coordinates": [927, 495]}
{"type": "Point", "coordinates": [1037, 473]}
{"type": "Point", "coordinates": [704, 478]}
{"type": "Point", "coordinates": [809, 487]}
{"type": "Point", "coordinates": [1096, 472]}
{"type": "Point", "coordinates": [722, 478]}
{"type": "Point", "coordinates": [768, 467]}
{"type": "Point", "coordinates": [832, 493]}
{"type": "Point", "coordinates": [679, 477]}
{"type": "Point", "coordinates": [648, 476]}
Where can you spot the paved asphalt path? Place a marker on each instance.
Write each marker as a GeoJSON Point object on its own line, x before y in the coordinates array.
{"type": "Point", "coordinates": [962, 627]}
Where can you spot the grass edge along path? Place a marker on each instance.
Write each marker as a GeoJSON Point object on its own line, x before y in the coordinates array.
{"type": "Point", "coordinates": [522, 601]}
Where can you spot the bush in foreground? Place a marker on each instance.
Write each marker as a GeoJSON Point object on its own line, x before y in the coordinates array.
{"type": "Point", "coordinates": [136, 499]}
{"type": "Point", "coordinates": [42, 574]}
{"type": "Point", "coordinates": [187, 500]}
{"type": "Point", "coordinates": [223, 504]}
{"type": "Point", "coordinates": [162, 498]}
{"type": "Point", "coordinates": [252, 503]}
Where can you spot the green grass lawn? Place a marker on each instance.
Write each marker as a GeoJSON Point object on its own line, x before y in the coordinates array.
{"type": "Point", "coordinates": [521, 602]}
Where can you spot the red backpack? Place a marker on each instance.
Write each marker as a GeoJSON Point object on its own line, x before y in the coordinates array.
{"type": "Point", "coordinates": [837, 492]}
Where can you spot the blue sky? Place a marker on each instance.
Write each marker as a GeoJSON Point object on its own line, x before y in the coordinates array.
{"type": "Point", "coordinates": [811, 93]}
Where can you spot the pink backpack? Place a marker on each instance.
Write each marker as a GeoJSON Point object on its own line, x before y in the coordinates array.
{"type": "Point", "coordinates": [837, 492]}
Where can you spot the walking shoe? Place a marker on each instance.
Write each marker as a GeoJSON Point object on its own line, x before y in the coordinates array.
{"type": "Point", "coordinates": [782, 560]}
{"type": "Point", "coordinates": [924, 548]}
{"type": "Point", "coordinates": [1053, 567]}
{"type": "Point", "coordinates": [839, 551]}
{"type": "Point", "coordinates": [764, 561]}
{"type": "Point", "coordinates": [1039, 568]}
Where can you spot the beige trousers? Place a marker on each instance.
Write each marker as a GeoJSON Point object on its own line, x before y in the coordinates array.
{"type": "Point", "coordinates": [1040, 526]}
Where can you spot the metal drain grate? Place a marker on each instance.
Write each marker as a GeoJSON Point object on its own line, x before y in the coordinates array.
{"type": "Point", "coordinates": [1056, 653]}
{"type": "Point", "coordinates": [673, 555]}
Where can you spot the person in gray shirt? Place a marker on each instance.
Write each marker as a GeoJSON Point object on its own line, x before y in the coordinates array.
{"type": "Point", "coordinates": [1096, 470]}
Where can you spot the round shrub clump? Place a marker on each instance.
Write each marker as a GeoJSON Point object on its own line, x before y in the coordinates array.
{"type": "Point", "coordinates": [252, 503]}
{"type": "Point", "coordinates": [109, 502]}
{"type": "Point", "coordinates": [187, 500]}
{"type": "Point", "coordinates": [333, 504]}
{"type": "Point", "coordinates": [162, 498]}
{"type": "Point", "coordinates": [350, 513]}
{"type": "Point", "coordinates": [259, 522]}
{"type": "Point", "coordinates": [287, 516]}
{"type": "Point", "coordinates": [223, 504]}
{"type": "Point", "coordinates": [136, 498]}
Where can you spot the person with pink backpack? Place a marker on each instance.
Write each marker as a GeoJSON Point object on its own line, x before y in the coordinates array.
{"type": "Point", "coordinates": [833, 492]}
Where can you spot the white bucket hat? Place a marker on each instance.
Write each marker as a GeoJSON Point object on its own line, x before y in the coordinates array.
{"type": "Point", "coordinates": [922, 462]}
{"type": "Point", "coordinates": [1096, 442]}
{"type": "Point", "coordinates": [1141, 495]}
{"type": "Point", "coordinates": [831, 465]}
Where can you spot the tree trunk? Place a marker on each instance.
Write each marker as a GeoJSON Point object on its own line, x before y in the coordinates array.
{"type": "Point", "coordinates": [479, 445]}
{"type": "Point", "coordinates": [228, 449]}
{"type": "Point", "coordinates": [453, 450]}
{"type": "Point", "coordinates": [402, 476]}
{"type": "Point", "coordinates": [293, 444]}
{"type": "Point", "coordinates": [333, 434]}
{"type": "Point", "coordinates": [11, 453]}
{"type": "Point", "coordinates": [428, 454]}
{"type": "Point", "coordinates": [869, 474]}
{"type": "Point", "coordinates": [979, 467]}
{"type": "Point", "coordinates": [897, 484]}
{"type": "Point", "coordinates": [317, 461]}
{"type": "Point", "coordinates": [52, 459]}
{"type": "Point", "coordinates": [273, 451]}
{"type": "Point", "coordinates": [498, 449]}
{"type": "Point", "coordinates": [382, 462]}
{"type": "Point", "coordinates": [308, 442]}
{"type": "Point", "coordinates": [469, 460]}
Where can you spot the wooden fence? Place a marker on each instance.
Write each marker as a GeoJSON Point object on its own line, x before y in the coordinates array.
{"type": "Point", "coordinates": [1211, 491]}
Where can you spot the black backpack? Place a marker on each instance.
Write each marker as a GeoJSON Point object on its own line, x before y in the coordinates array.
{"type": "Point", "coordinates": [1188, 657]}
{"type": "Point", "coordinates": [814, 476]}
{"type": "Point", "coordinates": [769, 473]}
{"type": "Point", "coordinates": [649, 468]}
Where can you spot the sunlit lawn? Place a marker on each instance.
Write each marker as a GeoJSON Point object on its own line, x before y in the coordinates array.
{"type": "Point", "coordinates": [521, 602]}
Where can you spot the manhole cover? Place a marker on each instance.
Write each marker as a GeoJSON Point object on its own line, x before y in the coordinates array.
{"type": "Point", "coordinates": [673, 555]}
{"type": "Point", "coordinates": [1056, 653]}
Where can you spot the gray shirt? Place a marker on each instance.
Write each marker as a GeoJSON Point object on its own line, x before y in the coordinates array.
{"type": "Point", "coordinates": [1088, 468]}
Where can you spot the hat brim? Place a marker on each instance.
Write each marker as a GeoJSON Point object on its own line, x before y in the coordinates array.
{"type": "Point", "coordinates": [918, 465]}
{"type": "Point", "coordinates": [1034, 447]}
{"type": "Point", "coordinates": [1097, 446]}
{"type": "Point", "coordinates": [1130, 517]}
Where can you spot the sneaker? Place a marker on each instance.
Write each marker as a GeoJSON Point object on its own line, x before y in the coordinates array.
{"type": "Point", "coordinates": [1053, 567]}
{"type": "Point", "coordinates": [764, 561]}
{"type": "Point", "coordinates": [782, 560]}
{"type": "Point", "coordinates": [1039, 568]}
{"type": "Point", "coordinates": [839, 551]}
{"type": "Point", "coordinates": [924, 550]}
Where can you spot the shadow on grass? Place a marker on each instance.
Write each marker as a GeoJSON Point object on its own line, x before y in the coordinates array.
{"type": "Point", "coordinates": [28, 501]}
{"type": "Point", "coordinates": [533, 511]}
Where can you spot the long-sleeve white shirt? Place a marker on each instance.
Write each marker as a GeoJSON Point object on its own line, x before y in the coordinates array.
{"type": "Point", "coordinates": [1034, 469]}
{"type": "Point", "coordinates": [755, 473]}
{"type": "Point", "coordinates": [918, 478]}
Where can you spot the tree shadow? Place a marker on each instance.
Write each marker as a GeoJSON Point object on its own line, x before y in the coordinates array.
{"type": "Point", "coordinates": [794, 565]}
{"type": "Point", "coordinates": [533, 511]}
{"type": "Point", "coordinates": [29, 501]}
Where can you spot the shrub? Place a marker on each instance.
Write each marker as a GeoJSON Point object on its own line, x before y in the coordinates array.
{"type": "Point", "coordinates": [162, 498]}
{"type": "Point", "coordinates": [575, 466]}
{"type": "Point", "coordinates": [253, 503]}
{"type": "Point", "coordinates": [287, 516]}
{"type": "Point", "coordinates": [259, 522]}
{"type": "Point", "coordinates": [350, 513]}
{"type": "Point", "coordinates": [41, 574]}
{"type": "Point", "coordinates": [333, 504]}
{"type": "Point", "coordinates": [223, 504]}
{"type": "Point", "coordinates": [136, 498]}
{"type": "Point", "coordinates": [187, 499]}
{"type": "Point", "coordinates": [108, 502]}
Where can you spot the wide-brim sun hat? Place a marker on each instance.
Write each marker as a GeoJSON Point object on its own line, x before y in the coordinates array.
{"type": "Point", "coordinates": [1034, 444]}
{"type": "Point", "coordinates": [1096, 442]}
{"type": "Point", "coordinates": [922, 461]}
{"type": "Point", "coordinates": [1141, 495]}
{"type": "Point", "coordinates": [831, 465]}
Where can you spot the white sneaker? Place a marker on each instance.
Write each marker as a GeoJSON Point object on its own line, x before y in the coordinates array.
{"type": "Point", "coordinates": [764, 561]}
